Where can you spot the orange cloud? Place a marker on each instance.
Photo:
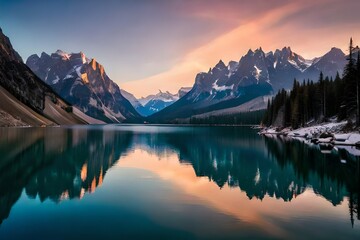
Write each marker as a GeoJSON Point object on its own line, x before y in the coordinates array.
{"type": "Point", "coordinates": [274, 29]}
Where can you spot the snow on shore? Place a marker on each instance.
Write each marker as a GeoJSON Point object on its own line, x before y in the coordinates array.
{"type": "Point", "coordinates": [316, 130]}
{"type": "Point", "coordinates": [307, 134]}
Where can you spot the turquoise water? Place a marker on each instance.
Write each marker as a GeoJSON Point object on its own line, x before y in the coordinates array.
{"type": "Point", "coordinates": [170, 182]}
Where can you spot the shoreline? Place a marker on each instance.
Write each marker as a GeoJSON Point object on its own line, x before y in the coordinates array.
{"type": "Point", "coordinates": [329, 136]}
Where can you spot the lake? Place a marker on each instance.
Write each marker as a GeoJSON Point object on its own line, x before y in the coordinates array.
{"type": "Point", "coordinates": [172, 182]}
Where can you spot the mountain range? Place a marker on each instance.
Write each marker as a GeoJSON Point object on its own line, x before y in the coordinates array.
{"type": "Point", "coordinates": [151, 104]}
{"type": "Point", "coordinates": [80, 89]}
{"type": "Point", "coordinates": [84, 83]}
{"type": "Point", "coordinates": [25, 100]}
{"type": "Point", "coordinates": [255, 74]}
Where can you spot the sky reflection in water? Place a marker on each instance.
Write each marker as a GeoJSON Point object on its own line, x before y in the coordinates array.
{"type": "Point", "coordinates": [171, 182]}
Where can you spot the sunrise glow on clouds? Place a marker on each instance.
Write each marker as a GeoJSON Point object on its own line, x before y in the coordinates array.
{"type": "Point", "coordinates": [150, 45]}
{"type": "Point", "coordinates": [258, 32]}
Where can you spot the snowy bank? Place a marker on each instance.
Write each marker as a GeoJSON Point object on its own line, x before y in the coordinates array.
{"type": "Point", "coordinates": [327, 133]}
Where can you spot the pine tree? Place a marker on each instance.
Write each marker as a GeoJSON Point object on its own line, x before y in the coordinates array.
{"type": "Point", "coordinates": [306, 102]}
{"type": "Point", "coordinates": [350, 83]}
{"type": "Point", "coordinates": [318, 101]}
{"type": "Point", "coordinates": [322, 96]}
{"type": "Point", "coordinates": [357, 88]}
{"type": "Point", "coordinates": [267, 115]}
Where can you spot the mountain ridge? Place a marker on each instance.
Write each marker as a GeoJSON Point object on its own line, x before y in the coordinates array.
{"type": "Point", "coordinates": [256, 74]}
{"type": "Point", "coordinates": [84, 83]}
{"type": "Point", "coordinates": [153, 103]}
{"type": "Point", "coordinates": [25, 99]}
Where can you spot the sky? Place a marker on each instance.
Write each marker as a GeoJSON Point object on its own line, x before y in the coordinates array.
{"type": "Point", "coordinates": [151, 45]}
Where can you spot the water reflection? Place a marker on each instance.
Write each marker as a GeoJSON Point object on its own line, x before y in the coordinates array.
{"type": "Point", "coordinates": [65, 163]}
{"type": "Point", "coordinates": [55, 163]}
{"type": "Point", "coordinates": [333, 176]}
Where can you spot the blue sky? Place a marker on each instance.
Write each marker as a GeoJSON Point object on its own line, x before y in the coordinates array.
{"type": "Point", "coordinates": [147, 45]}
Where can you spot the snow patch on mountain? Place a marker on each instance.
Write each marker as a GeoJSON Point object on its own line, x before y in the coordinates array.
{"type": "Point", "coordinates": [56, 80]}
{"type": "Point", "coordinates": [275, 64]}
{"type": "Point", "coordinates": [221, 88]}
{"type": "Point", "coordinates": [78, 70]}
{"type": "Point", "coordinates": [63, 54]}
{"type": "Point", "coordinates": [257, 73]}
{"type": "Point", "coordinates": [68, 76]}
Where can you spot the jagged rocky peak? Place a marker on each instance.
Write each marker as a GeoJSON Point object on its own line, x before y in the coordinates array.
{"type": "Point", "coordinates": [165, 95]}
{"type": "Point", "coordinates": [34, 56]}
{"type": "Point", "coordinates": [220, 65]}
{"type": "Point", "coordinates": [199, 79]}
{"type": "Point", "coordinates": [93, 64]}
{"type": "Point", "coordinates": [284, 53]}
{"type": "Point", "coordinates": [60, 54]}
{"type": "Point", "coordinates": [75, 58]}
{"type": "Point", "coordinates": [218, 69]}
{"type": "Point", "coordinates": [249, 55]}
{"type": "Point", "coordinates": [78, 58]}
{"type": "Point", "coordinates": [286, 50]}
{"type": "Point", "coordinates": [269, 54]}
{"type": "Point", "coordinates": [97, 66]}
{"type": "Point", "coordinates": [250, 52]}
{"type": "Point", "coordinates": [232, 64]}
{"type": "Point", "coordinates": [84, 83]}
{"type": "Point", "coordinates": [32, 62]}
{"type": "Point", "coordinates": [44, 55]}
{"type": "Point", "coordinates": [259, 53]}
{"type": "Point", "coordinates": [336, 52]}
{"type": "Point", "coordinates": [183, 91]}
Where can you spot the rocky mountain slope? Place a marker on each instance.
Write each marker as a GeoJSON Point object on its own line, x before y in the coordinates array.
{"type": "Point", "coordinates": [256, 74]}
{"type": "Point", "coordinates": [24, 99]}
{"type": "Point", "coordinates": [85, 84]}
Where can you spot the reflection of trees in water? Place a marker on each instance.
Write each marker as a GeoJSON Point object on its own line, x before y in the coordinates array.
{"type": "Point", "coordinates": [261, 166]}
{"type": "Point", "coordinates": [239, 161]}
{"type": "Point", "coordinates": [57, 163]}
{"type": "Point", "coordinates": [324, 172]}
{"type": "Point", "coordinates": [65, 163]}
{"type": "Point", "coordinates": [233, 156]}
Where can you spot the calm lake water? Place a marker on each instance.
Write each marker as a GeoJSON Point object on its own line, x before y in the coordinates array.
{"type": "Point", "coordinates": [169, 182]}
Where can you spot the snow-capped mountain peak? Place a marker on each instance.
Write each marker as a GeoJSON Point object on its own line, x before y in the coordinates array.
{"type": "Point", "coordinates": [256, 74]}
{"type": "Point", "coordinates": [165, 96]}
{"type": "Point", "coordinates": [83, 83]}
{"type": "Point", "coordinates": [62, 54]}
{"type": "Point", "coordinates": [156, 102]}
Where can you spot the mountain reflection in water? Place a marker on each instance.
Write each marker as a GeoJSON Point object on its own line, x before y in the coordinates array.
{"type": "Point", "coordinates": [66, 163]}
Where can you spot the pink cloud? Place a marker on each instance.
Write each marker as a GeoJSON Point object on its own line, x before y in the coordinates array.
{"type": "Point", "coordinates": [286, 25]}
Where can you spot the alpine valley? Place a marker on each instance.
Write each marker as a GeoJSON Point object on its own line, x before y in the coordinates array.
{"type": "Point", "coordinates": [151, 104]}
{"type": "Point", "coordinates": [72, 79]}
